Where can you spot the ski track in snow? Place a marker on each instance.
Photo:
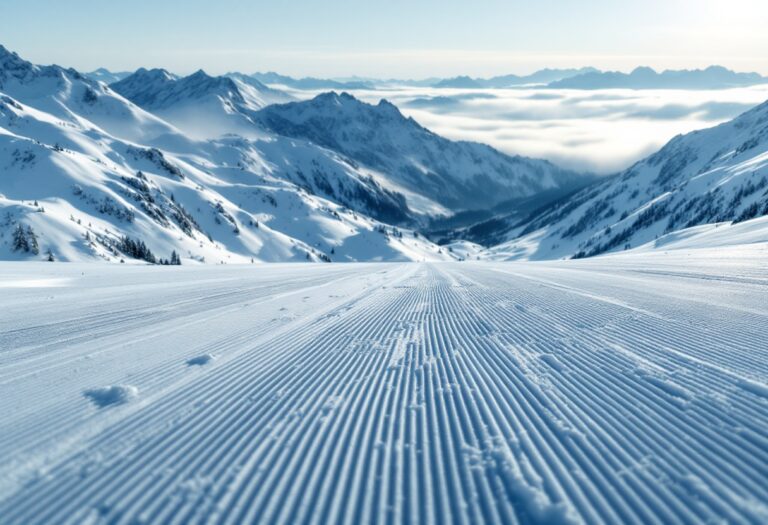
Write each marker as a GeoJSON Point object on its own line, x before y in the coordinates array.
{"type": "Point", "coordinates": [568, 392]}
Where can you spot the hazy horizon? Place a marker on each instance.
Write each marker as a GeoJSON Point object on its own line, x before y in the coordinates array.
{"type": "Point", "coordinates": [388, 40]}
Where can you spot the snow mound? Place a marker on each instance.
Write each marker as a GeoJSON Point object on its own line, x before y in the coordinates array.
{"type": "Point", "coordinates": [112, 395]}
{"type": "Point", "coordinates": [201, 360]}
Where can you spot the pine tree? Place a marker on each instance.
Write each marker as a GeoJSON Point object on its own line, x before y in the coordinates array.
{"type": "Point", "coordinates": [32, 241]}
{"type": "Point", "coordinates": [20, 243]}
{"type": "Point", "coordinates": [50, 257]}
{"type": "Point", "coordinates": [136, 249]}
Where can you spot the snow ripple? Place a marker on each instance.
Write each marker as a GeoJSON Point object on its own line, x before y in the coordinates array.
{"type": "Point", "coordinates": [432, 393]}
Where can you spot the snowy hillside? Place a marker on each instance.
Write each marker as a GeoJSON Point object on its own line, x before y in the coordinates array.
{"type": "Point", "coordinates": [457, 175]}
{"type": "Point", "coordinates": [706, 179]}
{"type": "Point", "coordinates": [87, 175]}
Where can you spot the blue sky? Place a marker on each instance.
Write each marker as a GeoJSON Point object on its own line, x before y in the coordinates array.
{"type": "Point", "coordinates": [393, 38]}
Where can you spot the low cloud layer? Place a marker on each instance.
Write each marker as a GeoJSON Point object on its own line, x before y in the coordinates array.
{"type": "Point", "coordinates": [601, 131]}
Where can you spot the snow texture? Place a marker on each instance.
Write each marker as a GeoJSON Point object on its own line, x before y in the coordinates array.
{"type": "Point", "coordinates": [629, 388]}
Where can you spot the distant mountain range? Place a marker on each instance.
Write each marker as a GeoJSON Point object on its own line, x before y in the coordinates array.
{"type": "Point", "coordinates": [713, 77]}
{"type": "Point", "coordinates": [309, 83]}
{"type": "Point", "coordinates": [544, 76]}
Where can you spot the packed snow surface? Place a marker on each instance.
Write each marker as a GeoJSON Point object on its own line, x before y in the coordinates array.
{"type": "Point", "coordinates": [628, 388]}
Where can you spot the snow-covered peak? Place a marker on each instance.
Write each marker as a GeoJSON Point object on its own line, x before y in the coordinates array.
{"type": "Point", "coordinates": [153, 75]}
{"type": "Point", "coordinates": [14, 70]}
{"type": "Point", "coordinates": [459, 175]}
{"type": "Point", "coordinates": [12, 65]}
{"type": "Point", "coordinates": [324, 116]}
{"type": "Point", "coordinates": [158, 89]}
{"type": "Point", "coordinates": [202, 105]}
{"type": "Point", "coordinates": [108, 77]}
{"type": "Point", "coordinates": [80, 101]}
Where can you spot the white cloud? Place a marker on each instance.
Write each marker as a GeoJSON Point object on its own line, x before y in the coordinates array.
{"type": "Point", "coordinates": [602, 131]}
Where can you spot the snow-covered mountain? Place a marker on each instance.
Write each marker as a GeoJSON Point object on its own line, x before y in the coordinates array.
{"type": "Point", "coordinates": [87, 175]}
{"type": "Point", "coordinates": [70, 96]}
{"type": "Point", "coordinates": [707, 180]}
{"type": "Point", "coordinates": [226, 109]}
{"type": "Point", "coordinates": [400, 171]}
{"type": "Point", "coordinates": [202, 105]}
{"type": "Point", "coordinates": [86, 195]}
{"type": "Point", "coordinates": [410, 158]}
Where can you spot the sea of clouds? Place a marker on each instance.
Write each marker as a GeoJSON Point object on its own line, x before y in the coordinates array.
{"type": "Point", "coordinates": [602, 131]}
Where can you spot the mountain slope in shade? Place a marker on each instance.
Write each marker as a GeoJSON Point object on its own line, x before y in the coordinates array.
{"type": "Point", "coordinates": [698, 182]}
{"type": "Point", "coordinates": [457, 175]}
{"type": "Point", "coordinates": [713, 77]}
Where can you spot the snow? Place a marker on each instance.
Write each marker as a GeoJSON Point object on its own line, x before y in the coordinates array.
{"type": "Point", "coordinates": [626, 388]}
{"type": "Point", "coordinates": [458, 175]}
{"type": "Point", "coordinates": [699, 182]}
{"type": "Point", "coordinates": [201, 360]}
{"type": "Point", "coordinates": [79, 188]}
{"type": "Point", "coordinates": [111, 395]}
{"type": "Point", "coordinates": [86, 167]}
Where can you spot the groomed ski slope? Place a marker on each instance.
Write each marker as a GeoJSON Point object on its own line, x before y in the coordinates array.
{"type": "Point", "coordinates": [622, 389]}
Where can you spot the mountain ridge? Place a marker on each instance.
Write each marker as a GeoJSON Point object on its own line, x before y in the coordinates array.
{"type": "Point", "coordinates": [460, 175]}
{"type": "Point", "coordinates": [713, 77]}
